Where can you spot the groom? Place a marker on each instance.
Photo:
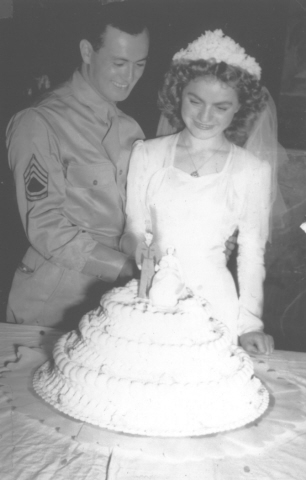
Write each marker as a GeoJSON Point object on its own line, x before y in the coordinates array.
{"type": "Point", "coordinates": [69, 156]}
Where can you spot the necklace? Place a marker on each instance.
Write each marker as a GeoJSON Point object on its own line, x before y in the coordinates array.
{"type": "Point", "coordinates": [195, 173]}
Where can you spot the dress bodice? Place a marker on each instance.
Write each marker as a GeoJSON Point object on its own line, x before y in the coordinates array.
{"type": "Point", "coordinates": [196, 215]}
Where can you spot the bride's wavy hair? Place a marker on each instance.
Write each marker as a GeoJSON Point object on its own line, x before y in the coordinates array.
{"type": "Point", "coordinates": [251, 96]}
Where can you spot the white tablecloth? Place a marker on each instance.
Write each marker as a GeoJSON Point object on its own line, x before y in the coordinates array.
{"type": "Point", "coordinates": [39, 443]}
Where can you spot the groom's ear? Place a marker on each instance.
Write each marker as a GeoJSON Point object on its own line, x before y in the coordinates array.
{"type": "Point", "coordinates": [86, 51]}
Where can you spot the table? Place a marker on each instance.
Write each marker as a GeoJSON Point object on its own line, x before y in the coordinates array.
{"type": "Point", "coordinates": [38, 443]}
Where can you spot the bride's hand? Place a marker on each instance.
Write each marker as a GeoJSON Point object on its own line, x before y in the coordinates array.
{"type": "Point", "coordinates": [257, 343]}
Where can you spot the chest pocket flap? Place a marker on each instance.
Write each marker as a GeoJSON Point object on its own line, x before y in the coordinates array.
{"type": "Point", "coordinates": [93, 176]}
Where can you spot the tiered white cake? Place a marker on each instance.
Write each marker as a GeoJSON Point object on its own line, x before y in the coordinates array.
{"type": "Point", "coordinates": [135, 368]}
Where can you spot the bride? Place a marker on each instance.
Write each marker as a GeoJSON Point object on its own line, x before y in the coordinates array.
{"type": "Point", "coordinates": [195, 188]}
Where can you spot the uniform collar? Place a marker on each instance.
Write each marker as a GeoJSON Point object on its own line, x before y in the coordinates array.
{"type": "Point", "coordinates": [88, 96]}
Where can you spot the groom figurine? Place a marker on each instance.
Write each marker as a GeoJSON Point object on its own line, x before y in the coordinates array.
{"type": "Point", "coordinates": [147, 256]}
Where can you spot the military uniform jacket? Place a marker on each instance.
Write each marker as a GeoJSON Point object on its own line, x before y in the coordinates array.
{"type": "Point", "coordinates": [69, 156]}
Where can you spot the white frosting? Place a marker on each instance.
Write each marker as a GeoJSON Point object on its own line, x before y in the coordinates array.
{"type": "Point", "coordinates": [133, 368]}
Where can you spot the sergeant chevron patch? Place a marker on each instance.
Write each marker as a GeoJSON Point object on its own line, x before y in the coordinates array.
{"type": "Point", "coordinates": [35, 180]}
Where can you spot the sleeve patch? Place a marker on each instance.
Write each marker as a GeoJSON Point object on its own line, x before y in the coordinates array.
{"type": "Point", "coordinates": [35, 180]}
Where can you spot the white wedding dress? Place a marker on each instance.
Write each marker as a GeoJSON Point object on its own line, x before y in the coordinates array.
{"type": "Point", "coordinates": [197, 215]}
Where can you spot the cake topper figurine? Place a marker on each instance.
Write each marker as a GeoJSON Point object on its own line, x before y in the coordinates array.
{"type": "Point", "coordinates": [147, 256]}
{"type": "Point", "coordinates": [168, 282]}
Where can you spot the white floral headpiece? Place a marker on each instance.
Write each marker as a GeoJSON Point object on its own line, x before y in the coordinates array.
{"type": "Point", "coordinates": [215, 45]}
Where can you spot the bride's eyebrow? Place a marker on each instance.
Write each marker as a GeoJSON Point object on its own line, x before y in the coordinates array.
{"type": "Point", "coordinates": [195, 96]}
{"type": "Point", "coordinates": [222, 102]}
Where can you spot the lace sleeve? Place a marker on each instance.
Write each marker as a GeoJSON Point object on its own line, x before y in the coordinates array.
{"type": "Point", "coordinates": [253, 235]}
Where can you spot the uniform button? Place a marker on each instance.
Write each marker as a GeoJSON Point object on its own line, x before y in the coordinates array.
{"type": "Point", "coordinates": [95, 182]}
{"type": "Point", "coordinates": [120, 172]}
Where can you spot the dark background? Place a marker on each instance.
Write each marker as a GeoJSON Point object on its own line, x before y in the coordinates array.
{"type": "Point", "coordinates": [40, 38]}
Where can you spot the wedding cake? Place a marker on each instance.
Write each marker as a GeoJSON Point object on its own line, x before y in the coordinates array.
{"type": "Point", "coordinates": [139, 366]}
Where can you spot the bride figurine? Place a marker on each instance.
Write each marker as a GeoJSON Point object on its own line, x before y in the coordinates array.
{"type": "Point", "coordinates": [168, 283]}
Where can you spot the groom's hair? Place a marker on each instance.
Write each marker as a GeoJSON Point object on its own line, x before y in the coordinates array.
{"type": "Point", "coordinates": [127, 16]}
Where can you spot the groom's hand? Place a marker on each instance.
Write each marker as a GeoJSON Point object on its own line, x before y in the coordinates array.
{"type": "Point", "coordinates": [129, 270]}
